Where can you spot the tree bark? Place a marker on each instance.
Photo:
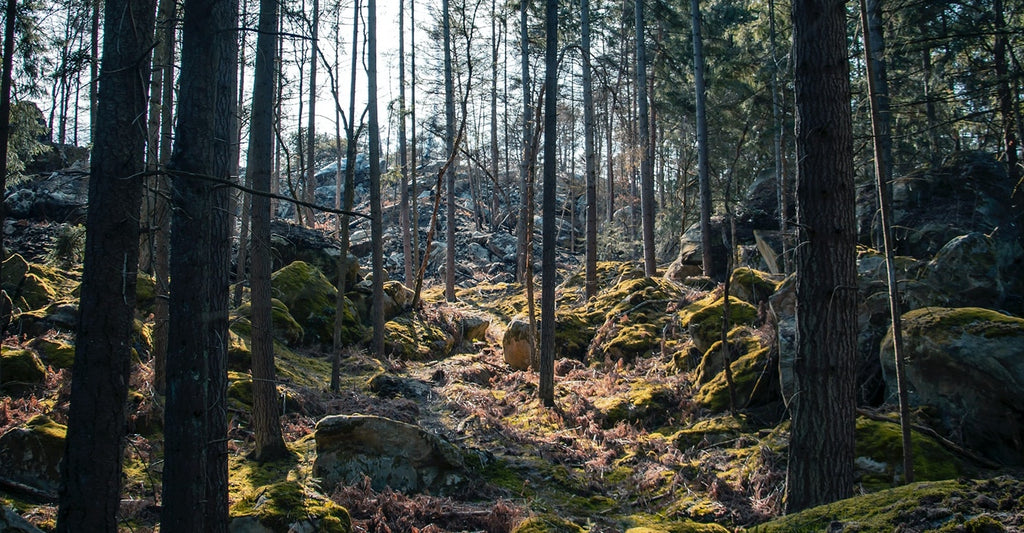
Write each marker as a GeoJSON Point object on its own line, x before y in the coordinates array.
{"type": "Point", "coordinates": [403, 152]}
{"type": "Point", "coordinates": [522, 270]}
{"type": "Point", "coordinates": [309, 186]}
{"type": "Point", "coordinates": [376, 213]}
{"type": "Point", "coordinates": [449, 144]}
{"type": "Point", "coordinates": [6, 82]}
{"type": "Point", "coordinates": [547, 298]}
{"type": "Point", "coordinates": [646, 169]}
{"type": "Point", "coordinates": [703, 181]}
{"type": "Point", "coordinates": [589, 152]}
{"type": "Point", "coordinates": [266, 409]}
{"type": "Point", "coordinates": [91, 473]}
{"type": "Point", "coordinates": [822, 434]}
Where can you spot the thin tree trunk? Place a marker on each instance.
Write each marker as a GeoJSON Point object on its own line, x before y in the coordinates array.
{"type": "Point", "coordinates": [91, 471]}
{"type": "Point", "coordinates": [376, 222]}
{"type": "Point", "coordinates": [547, 297]}
{"type": "Point", "coordinates": [878, 95]}
{"type": "Point", "coordinates": [1006, 103]}
{"type": "Point", "coordinates": [403, 156]}
{"type": "Point", "coordinates": [646, 170]}
{"type": "Point", "coordinates": [309, 186]}
{"type": "Point", "coordinates": [522, 270]}
{"type": "Point", "coordinates": [6, 81]}
{"type": "Point", "coordinates": [449, 144]}
{"type": "Point", "coordinates": [266, 408]}
{"type": "Point", "coordinates": [495, 44]}
{"type": "Point", "coordinates": [703, 181]}
{"type": "Point", "coordinates": [589, 152]}
{"type": "Point", "coordinates": [781, 192]}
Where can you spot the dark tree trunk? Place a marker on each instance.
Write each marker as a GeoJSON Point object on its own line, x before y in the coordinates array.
{"type": "Point", "coordinates": [6, 81]}
{"type": "Point", "coordinates": [403, 153]}
{"type": "Point", "coordinates": [91, 473]}
{"type": "Point", "coordinates": [266, 410]}
{"type": "Point", "coordinates": [703, 181]}
{"type": "Point", "coordinates": [309, 185]}
{"type": "Point", "coordinates": [547, 297]}
{"type": "Point", "coordinates": [376, 213]}
{"type": "Point", "coordinates": [822, 435]}
{"type": "Point", "coordinates": [646, 168]}
{"type": "Point", "coordinates": [522, 241]}
{"type": "Point", "coordinates": [449, 144]}
{"type": "Point", "coordinates": [589, 151]}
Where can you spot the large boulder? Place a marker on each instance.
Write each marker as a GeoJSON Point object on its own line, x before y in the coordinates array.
{"type": "Point", "coordinates": [516, 345]}
{"type": "Point", "coordinates": [290, 243]}
{"type": "Point", "coordinates": [20, 368]}
{"type": "Point", "coordinates": [310, 299]}
{"type": "Point", "coordinates": [287, 506]}
{"type": "Point", "coordinates": [391, 454]}
{"type": "Point", "coordinates": [31, 453]}
{"type": "Point", "coordinates": [966, 365]}
{"type": "Point", "coordinates": [754, 378]}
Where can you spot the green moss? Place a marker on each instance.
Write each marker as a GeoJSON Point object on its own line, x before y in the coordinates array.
{"type": "Point", "coordinates": [645, 401]}
{"type": "Point", "coordinates": [642, 523]}
{"type": "Point", "coordinates": [957, 321]}
{"type": "Point", "coordinates": [547, 523]}
{"type": "Point", "coordinates": [145, 292]}
{"type": "Point", "coordinates": [310, 298]}
{"type": "Point", "coordinates": [42, 426]}
{"type": "Point", "coordinates": [882, 442]}
{"type": "Point", "coordinates": [710, 431]}
{"type": "Point", "coordinates": [286, 329]}
{"type": "Point", "coordinates": [282, 504]}
{"type": "Point", "coordinates": [631, 316]}
{"type": "Point", "coordinates": [416, 337]}
{"type": "Point", "coordinates": [55, 352]}
{"type": "Point", "coordinates": [703, 319]}
{"type": "Point", "coordinates": [748, 368]}
{"type": "Point", "coordinates": [752, 286]}
{"type": "Point", "coordinates": [20, 366]}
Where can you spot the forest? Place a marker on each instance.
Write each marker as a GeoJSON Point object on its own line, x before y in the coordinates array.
{"type": "Point", "coordinates": [519, 266]}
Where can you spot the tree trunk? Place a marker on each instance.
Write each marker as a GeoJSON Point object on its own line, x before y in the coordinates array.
{"type": "Point", "coordinates": [376, 222]}
{"type": "Point", "coordinates": [403, 152]}
{"type": "Point", "coordinates": [782, 196]}
{"type": "Point", "coordinates": [6, 81]}
{"type": "Point", "coordinates": [522, 270]}
{"type": "Point", "coordinates": [309, 186]}
{"type": "Point", "coordinates": [646, 169]}
{"type": "Point", "coordinates": [266, 409]}
{"type": "Point", "coordinates": [547, 297]}
{"type": "Point", "coordinates": [822, 435]}
{"type": "Point", "coordinates": [495, 44]}
{"type": "Point", "coordinates": [703, 181]}
{"type": "Point", "coordinates": [449, 144]}
{"type": "Point", "coordinates": [589, 152]}
{"type": "Point", "coordinates": [1004, 95]}
{"type": "Point", "coordinates": [91, 473]}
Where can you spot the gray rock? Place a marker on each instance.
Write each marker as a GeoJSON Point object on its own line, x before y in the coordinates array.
{"type": "Point", "coordinates": [516, 346]}
{"type": "Point", "coordinates": [392, 454]}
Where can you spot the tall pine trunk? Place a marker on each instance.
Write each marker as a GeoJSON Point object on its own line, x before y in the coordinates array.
{"type": "Point", "coordinates": [646, 168]}
{"type": "Point", "coordinates": [703, 180]}
{"type": "Point", "coordinates": [376, 214]}
{"type": "Point", "coordinates": [547, 297]}
{"type": "Point", "coordinates": [589, 152]}
{"type": "Point", "coordinates": [91, 472]}
{"type": "Point", "coordinates": [822, 435]}
{"type": "Point", "coordinates": [449, 145]}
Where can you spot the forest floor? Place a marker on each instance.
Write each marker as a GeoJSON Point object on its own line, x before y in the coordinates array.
{"type": "Point", "coordinates": [626, 447]}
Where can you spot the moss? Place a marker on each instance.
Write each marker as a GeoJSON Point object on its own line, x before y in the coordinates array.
{"type": "Point", "coordinates": [55, 352]}
{"type": "Point", "coordinates": [748, 366]}
{"type": "Point", "coordinates": [703, 319]}
{"type": "Point", "coordinates": [22, 367]}
{"type": "Point", "coordinates": [280, 505]}
{"type": "Point", "coordinates": [923, 506]}
{"type": "Point", "coordinates": [145, 292]}
{"type": "Point", "coordinates": [645, 523]}
{"type": "Point", "coordinates": [310, 298]}
{"type": "Point", "coordinates": [752, 286]}
{"type": "Point", "coordinates": [958, 321]}
{"type": "Point", "coordinates": [631, 316]}
{"type": "Point", "coordinates": [710, 431]}
{"type": "Point", "coordinates": [547, 523]}
{"type": "Point", "coordinates": [300, 370]}
{"type": "Point", "coordinates": [286, 328]}
{"type": "Point", "coordinates": [417, 337]}
{"type": "Point", "coordinates": [645, 401]}
{"type": "Point", "coordinates": [882, 442]}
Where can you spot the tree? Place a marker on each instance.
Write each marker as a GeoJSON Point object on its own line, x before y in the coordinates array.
{"type": "Point", "coordinates": [589, 151]}
{"type": "Point", "coordinates": [646, 170]}
{"type": "Point", "coordinates": [403, 152]}
{"type": "Point", "coordinates": [703, 181]}
{"type": "Point", "coordinates": [547, 298]}
{"type": "Point", "coordinates": [6, 82]}
{"type": "Point", "coordinates": [195, 480]}
{"type": "Point", "coordinates": [449, 144]}
{"type": "Point", "coordinates": [310, 183]}
{"type": "Point", "coordinates": [822, 436]}
{"type": "Point", "coordinates": [376, 213]}
{"type": "Point", "coordinates": [91, 475]}
{"type": "Point", "coordinates": [266, 410]}
{"type": "Point", "coordinates": [524, 208]}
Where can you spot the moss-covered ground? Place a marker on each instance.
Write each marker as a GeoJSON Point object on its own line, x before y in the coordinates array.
{"type": "Point", "coordinates": [635, 443]}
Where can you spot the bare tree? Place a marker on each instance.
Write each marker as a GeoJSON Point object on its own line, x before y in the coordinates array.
{"type": "Point", "coordinates": [646, 168]}
{"type": "Point", "coordinates": [547, 298]}
{"type": "Point", "coordinates": [376, 214]}
{"type": "Point", "coordinates": [703, 181]}
{"type": "Point", "coordinates": [589, 151]}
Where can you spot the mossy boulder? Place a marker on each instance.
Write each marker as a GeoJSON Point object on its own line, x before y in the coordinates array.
{"type": "Point", "coordinates": [310, 299]}
{"type": "Point", "coordinates": [631, 317]}
{"type": "Point", "coordinates": [547, 523]}
{"type": "Point", "coordinates": [754, 378]}
{"type": "Point", "coordinates": [649, 403]}
{"type": "Point", "coordinates": [392, 454]}
{"type": "Point", "coordinates": [966, 364]}
{"type": "Point", "coordinates": [686, 526]}
{"type": "Point", "coordinates": [711, 431]}
{"type": "Point", "coordinates": [954, 505]}
{"type": "Point", "coordinates": [419, 337]}
{"type": "Point", "coordinates": [54, 352]}
{"type": "Point", "coordinates": [288, 506]}
{"type": "Point", "coordinates": [397, 298]}
{"type": "Point", "coordinates": [31, 453]}
{"type": "Point", "coordinates": [703, 318]}
{"type": "Point", "coordinates": [20, 367]}
{"type": "Point", "coordinates": [61, 316]}
{"type": "Point", "coordinates": [33, 286]}
{"type": "Point", "coordinates": [879, 455]}
{"type": "Point", "coordinates": [145, 292]}
{"type": "Point", "coordinates": [752, 286]}
{"type": "Point", "coordinates": [286, 328]}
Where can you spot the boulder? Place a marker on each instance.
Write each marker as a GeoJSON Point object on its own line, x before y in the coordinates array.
{"type": "Point", "coordinates": [287, 506]}
{"type": "Point", "coordinates": [20, 368]}
{"type": "Point", "coordinates": [966, 365]}
{"type": "Point", "coordinates": [753, 375]}
{"type": "Point", "coordinates": [703, 319]}
{"type": "Point", "coordinates": [517, 347]}
{"type": "Point", "coordinates": [392, 454]}
{"type": "Point", "coordinates": [474, 328]}
{"type": "Point", "coordinates": [417, 337]}
{"type": "Point", "coordinates": [31, 453]}
{"type": "Point", "coordinates": [397, 298]}
{"type": "Point", "coordinates": [285, 328]}
{"type": "Point", "coordinates": [290, 243]}
{"type": "Point", "coordinates": [12, 522]}
{"type": "Point", "coordinates": [310, 299]}
{"type": "Point", "coordinates": [751, 286]}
